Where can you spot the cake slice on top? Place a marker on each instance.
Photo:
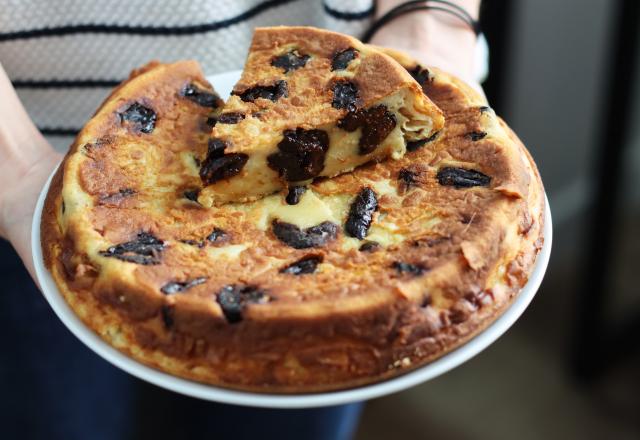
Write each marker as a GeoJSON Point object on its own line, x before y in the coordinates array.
{"type": "Point", "coordinates": [310, 103]}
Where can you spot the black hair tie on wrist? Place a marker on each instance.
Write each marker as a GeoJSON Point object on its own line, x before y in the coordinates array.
{"type": "Point", "coordinates": [422, 5]}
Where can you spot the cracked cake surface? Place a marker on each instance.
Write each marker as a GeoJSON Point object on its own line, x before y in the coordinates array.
{"type": "Point", "coordinates": [335, 284]}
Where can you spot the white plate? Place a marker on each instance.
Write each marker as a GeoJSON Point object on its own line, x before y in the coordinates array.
{"type": "Point", "coordinates": [223, 83]}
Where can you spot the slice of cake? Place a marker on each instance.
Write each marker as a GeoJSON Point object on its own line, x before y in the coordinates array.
{"type": "Point", "coordinates": [311, 103]}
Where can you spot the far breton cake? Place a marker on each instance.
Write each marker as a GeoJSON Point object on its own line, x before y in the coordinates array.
{"type": "Point", "coordinates": [350, 281]}
{"type": "Point", "coordinates": [311, 103]}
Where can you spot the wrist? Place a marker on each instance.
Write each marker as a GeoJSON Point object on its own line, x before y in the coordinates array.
{"type": "Point", "coordinates": [471, 6]}
{"type": "Point", "coordinates": [23, 149]}
{"type": "Point", "coordinates": [433, 38]}
{"type": "Point", "coordinates": [27, 162]}
{"type": "Point", "coordinates": [22, 157]}
{"type": "Point", "coordinates": [17, 198]}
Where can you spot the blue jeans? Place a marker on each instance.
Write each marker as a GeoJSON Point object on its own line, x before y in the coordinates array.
{"type": "Point", "coordinates": [52, 387]}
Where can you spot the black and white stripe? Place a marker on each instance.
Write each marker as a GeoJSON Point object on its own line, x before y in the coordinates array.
{"type": "Point", "coordinates": [151, 29]}
{"type": "Point", "coordinates": [350, 11]}
{"type": "Point", "coordinates": [65, 83]}
{"type": "Point", "coordinates": [65, 57]}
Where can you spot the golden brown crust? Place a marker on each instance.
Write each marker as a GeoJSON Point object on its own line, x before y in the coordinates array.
{"type": "Point", "coordinates": [378, 76]}
{"type": "Point", "coordinates": [358, 319]}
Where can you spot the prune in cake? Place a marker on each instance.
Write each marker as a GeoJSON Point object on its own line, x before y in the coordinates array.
{"type": "Point", "coordinates": [167, 312]}
{"type": "Point", "coordinates": [144, 249]}
{"type": "Point", "coordinates": [230, 118]}
{"type": "Point", "coordinates": [117, 196]}
{"type": "Point", "coordinates": [361, 213]}
{"type": "Point", "coordinates": [369, 246]}
{"type": "Point", "coordinates": [303, 266]}
{"type": "Point", "coordinates": [421, 75]}
{"type": "Point", "coordinates": [301, 154]}
{"type": "Point", "coordinates": [202, 97]}
{"type": "Point", "coordinates": [408, 178]}
{"type": "Point", "coordinates": [416, 145]}
{"type": "Point", "coordinates": [294, 194]}
{"type": "Point", "coordinates": [221, 166]}
{"type": "Point", "coordinates": [139, 118]}
{"type": "Point", "coordinates": [376, 124]}
{"type": "Point", "coordinates": [216, 147]}
{"type": "Point", "coordinates": [476, 135]}
{"type": "Point", "coordinates": [234, 297]}
{"type": "Point", "coordinates": [192, 242]}
{"type": "Point", "coordinates": [342, 59]}
{"type": "Point", "coordinates": [211, 121]}
{"type": "Point", "coordinates": [345, 95]}
{"type": "Point", "coordinates": [290, 61]}
{"type": "Point", "coordinates": [314, 236]}
{"type": "Point", "coordinates": [218, 236]}
{"type": "Point", "coordinates": [407, 268]}
{"type": "Point", "coordinates": [462, 178]}
{"type": "Point", "coordinates": [191, 194]}
{"type": "Point", "coordinates": [271, 92]}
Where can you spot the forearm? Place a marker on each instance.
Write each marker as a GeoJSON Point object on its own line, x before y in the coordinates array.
{"type": "Point", "coordinates": [471, 6]}
{"type": "Point", "coordinates": [434, 38]}
{"type": "Point", "coordinates": [26, 159]}
{"type": "Point", "coordinates": [20, 140]}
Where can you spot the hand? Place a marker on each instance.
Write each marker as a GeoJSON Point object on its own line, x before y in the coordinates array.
{"type": "Point", "coordinates": [27, 161]}
{"type": "Point", "coordinates": [433, 38]}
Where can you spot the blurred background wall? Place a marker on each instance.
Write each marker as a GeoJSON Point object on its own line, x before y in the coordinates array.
{"type": "Point", "coordinates": [570, 367]}
{"type": "Point", "coordinates": [553, 88]}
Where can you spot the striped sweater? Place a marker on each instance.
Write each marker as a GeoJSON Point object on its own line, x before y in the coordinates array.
{"type": "Point", "coordinates": [64, 56]}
